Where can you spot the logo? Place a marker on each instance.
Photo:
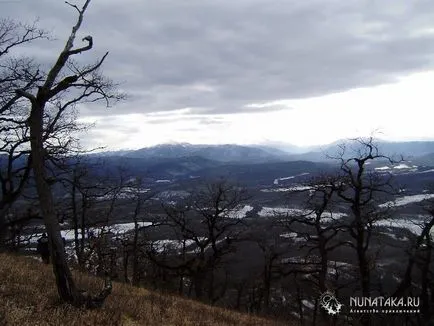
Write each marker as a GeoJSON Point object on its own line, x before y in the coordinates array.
{"type": "Point", "coordinates": [329, 302]}
{"type": "Point", "coordinates": [408, 305]}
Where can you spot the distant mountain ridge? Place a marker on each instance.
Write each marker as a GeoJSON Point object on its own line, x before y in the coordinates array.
{"type": "Point", "coordinates": [231, 153]}
{"type": "Point", "coordinates": [408, 149]}
{"type": "Point", "coordinates": [219, 153]}
{"type": "Point", "coordinates": [251, 165]}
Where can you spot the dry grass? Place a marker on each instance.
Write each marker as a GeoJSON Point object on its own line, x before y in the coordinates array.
{"type": "Point", "coordinates": [28, 297]}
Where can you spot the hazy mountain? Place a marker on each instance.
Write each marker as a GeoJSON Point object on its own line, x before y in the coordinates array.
{"type": "Point", "coordinates": [427, 159]}
{"type": "Point", "coordinates": [219, 153]}
{"type": "Point", "coordinates": [409, 150]}
{"type": "Point", "coordinates": [263, 153]}
{"type": "Point", "coordinates": [286, 147]}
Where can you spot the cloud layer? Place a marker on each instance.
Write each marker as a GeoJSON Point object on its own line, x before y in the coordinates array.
{"type": "Point", "coordinates": [227, 57]}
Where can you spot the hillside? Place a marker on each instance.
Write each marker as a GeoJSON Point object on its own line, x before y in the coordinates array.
{"type": "Point", "coordinates": [28, 297]}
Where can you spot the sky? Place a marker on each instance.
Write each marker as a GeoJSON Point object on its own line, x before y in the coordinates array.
{"type": "Point", "coordinates": [251, 71]}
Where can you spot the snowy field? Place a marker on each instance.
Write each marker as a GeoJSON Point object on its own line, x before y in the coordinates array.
{"type": "Point", "coordinates": [125, 193]}
{"type": "Point", "coordinates": [68, 234]}
{"type": "Point", "coordinates": [293, 236]}
{"type": "Point", "coordinates": [293, 188]}
{"type": "Point", "coordinates": [414, 225]}
{"type": "Point", "coordinates": [240, 213]}
{"type": "Point", "coordinates": [276, 181]}
{"type": "Point", "coordinates": [405, 200]}
{"type": "Point", "coordinates": [167, 244]}
{"type": "Point", "coordinates": [401, 167]}
{"type": "Point", "coordinates": [278, 211]}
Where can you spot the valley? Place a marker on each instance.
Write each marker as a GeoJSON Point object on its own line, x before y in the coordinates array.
{"type": "Point", "coordinates": [270, 219]}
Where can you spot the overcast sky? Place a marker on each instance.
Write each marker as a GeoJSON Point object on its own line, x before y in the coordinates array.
{"type": "Point", "coordinates": [252, 71]}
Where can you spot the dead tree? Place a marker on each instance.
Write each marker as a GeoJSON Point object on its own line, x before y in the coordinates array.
{"type": "Point", "coordinates": [206, 224]}
{"type": "Point", "coordinates": [140, 197]}
{"type": "Point", "coordinates": [362, 190]}
{"type": "Point", "coordinates": [52, 96]}
{"type": "Point", "coordinates": [421, 255]}
{"type": "Point", "coordinates": [268, 238]}
{"type": "Point", "coordinates": [319, 227]}
{"type": "Point", "coordinates": [319, 223]}
{"type": "Point", "coordinates": [22, 73]}
{"type": "Point", "coordinates": [216, 204]}
{"type": "Point", "coordinates": [84, 189]}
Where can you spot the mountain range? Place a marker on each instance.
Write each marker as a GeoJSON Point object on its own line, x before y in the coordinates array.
{"type": "Point", "coordinates": [252, 164]}
{"type": "Point", "coordinates": [231, 153]}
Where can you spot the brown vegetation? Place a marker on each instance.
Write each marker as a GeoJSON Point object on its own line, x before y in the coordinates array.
{"type": "Point", "coordinates": [29, 297]}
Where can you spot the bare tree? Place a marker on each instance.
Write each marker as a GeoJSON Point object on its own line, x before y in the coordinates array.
{"type": "Point", "coordinates": [138, 243]}
{"type": "Point", "coordinates": [269, 241]}
{"type": "Point", "coordinates": [84, 190]}
{"type": "Point", "coordinates": [23, 73]}
{"type": "Point", "coordinates": [207, 224]}
{"type": "Point", "coordinates": [361, 189]}
{"type": "Point", "coordinates": [421, 255]}
{"type": "Point", "coordinates": [52, 95]}
{"type": "Point", "coordinates": [321, 224]}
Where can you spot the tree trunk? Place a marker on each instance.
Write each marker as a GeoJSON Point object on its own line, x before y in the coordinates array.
{"type": "Point", "coordinates": [322, 277]}
{"type": "Point", "coordinates": [65, 283]}
{"type": "Point", "coordinates": [136, 273]}
{"type": "Point", "coordinates": [425, 270]}
{"type": "Point", "coordinates": [3, 230]}
{"type": "Point", "coordinates": [267, 286]}
{"type": "Point", "coordinates": [198, 284]}
{"type": "Point", "coordinates": [365, 272]}
{"type": "Point", "coordinates": [83, 256]}
{"type": "Point", "coordinates": [240, 290]}
{"type": "Point", "coordinates": [300, 303]}
{"type": "Point", "coordinates": [78, 251]}
{"type": "Point", "coordinates": [125, 262]}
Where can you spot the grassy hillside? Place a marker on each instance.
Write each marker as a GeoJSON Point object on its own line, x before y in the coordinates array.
{"type": "Point", "coordinates": [28, 297]}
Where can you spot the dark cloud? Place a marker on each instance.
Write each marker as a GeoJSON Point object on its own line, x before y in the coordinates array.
{"type": "Point", "coordinates": [219, 56]}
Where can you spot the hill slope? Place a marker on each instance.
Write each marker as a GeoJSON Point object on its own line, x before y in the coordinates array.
{"type": "Point", "coordinates": [28, 297]}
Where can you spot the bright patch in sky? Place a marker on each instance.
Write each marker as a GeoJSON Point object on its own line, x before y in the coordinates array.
{"type": "Point", "coordinates": [399, 111]}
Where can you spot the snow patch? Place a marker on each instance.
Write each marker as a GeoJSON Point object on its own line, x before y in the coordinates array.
{"type": "Point", "coordinates": [293, 236]}
{"type": "Point", "coordinates": [294, 188]}
{"type": "Point", "coordinates": [405, 200]}
{"type": "Point", "coordinates": [289, 235]}
{"type": "Point", "coordinates": [68, 234]}
{"type": "Point", "coordinates": [308, 304]}
{"type": "Point", "coordinates": [427, 171]}
{"type": "Point", "coordinates": [402, 166]}
{"type": "Point", "coordinates": [395, 237]}
{"type": "Point", "coordinates": [273, 211]}
{"type": "Point", "coordinates": [276, 181]}
{"type": "Point", "coordinates": [240, 213]}
{"type": "Point", "coordinates": [413, 225]}
{"type": "Point", "coordinates": [381, 168]}
{"type": "Point", "coordinates": [125, 193]}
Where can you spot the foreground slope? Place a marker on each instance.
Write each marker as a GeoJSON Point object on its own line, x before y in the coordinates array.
{"type": "Point", "coordinates": [28, 297]}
